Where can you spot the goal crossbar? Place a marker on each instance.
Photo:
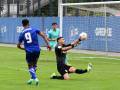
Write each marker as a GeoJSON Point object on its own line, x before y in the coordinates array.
{"type": "Point", "coordinates": [90, 3]}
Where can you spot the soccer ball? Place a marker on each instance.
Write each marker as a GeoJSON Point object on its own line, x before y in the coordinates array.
{"type": "Point", "coordinates": [83, 36]}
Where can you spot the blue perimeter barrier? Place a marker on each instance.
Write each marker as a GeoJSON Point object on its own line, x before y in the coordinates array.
{"type": "Point", "coordinates": [10, 29]}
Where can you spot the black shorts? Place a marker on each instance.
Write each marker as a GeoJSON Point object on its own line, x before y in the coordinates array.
{"type": "Point", "coordinates": [63, 68]}
{"type": "Point", "coordinates": [32, 57]}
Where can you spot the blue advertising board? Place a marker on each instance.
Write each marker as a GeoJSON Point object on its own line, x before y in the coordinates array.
{"type": "Point", "coordinates": [10, 29]}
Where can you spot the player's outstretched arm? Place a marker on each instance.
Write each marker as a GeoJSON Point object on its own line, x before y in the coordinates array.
{"type": "Point", "coordinates": [82, 36]}
{"type": "Point", "coordinates": [45, 38]}
{"type": "Point", "coordinates": [20, 47]}
{"type": "Point", "coordinates": [70, 46]}
{"type": "Point", "coordinates": [76, 42]}
{"type": "Point", "coordinates": [67, 48]}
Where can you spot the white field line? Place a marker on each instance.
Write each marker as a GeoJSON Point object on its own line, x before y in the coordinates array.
{"type": "Point", "coordinates": [74, 50]}
{"type": "Point", "coordinates": [78, 58]}
{"type": "Point", "coordinates": [26, 70]}
{"type": "Point", "coordinates": [110, 58]}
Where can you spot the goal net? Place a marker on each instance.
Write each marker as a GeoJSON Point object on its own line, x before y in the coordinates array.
{"type": "Point", "coordinates": [101, 20]}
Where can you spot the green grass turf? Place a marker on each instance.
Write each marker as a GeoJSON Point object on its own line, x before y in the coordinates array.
{"type": "Point", "coordinates": [14, 74]}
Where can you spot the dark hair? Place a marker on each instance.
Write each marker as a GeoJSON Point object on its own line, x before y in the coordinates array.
{"type": "Point", "coordinates": [59, 38]}
{"type": "Point", "coordinates": [54, 23]}
{"type": "Point", "coordinates": [25, 22]}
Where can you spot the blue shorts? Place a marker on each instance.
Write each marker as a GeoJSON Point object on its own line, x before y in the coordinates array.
{"type": "Point", "coordinates": [32, 57]}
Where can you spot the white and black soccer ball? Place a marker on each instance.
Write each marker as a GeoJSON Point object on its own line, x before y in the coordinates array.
{"type": "Point", "coordinates": [83, 36]}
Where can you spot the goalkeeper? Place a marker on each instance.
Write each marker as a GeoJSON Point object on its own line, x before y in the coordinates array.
{"type": "Point", "coordinates": [60, 51]}
{"type": "Point", "coordinates": [53, 34]}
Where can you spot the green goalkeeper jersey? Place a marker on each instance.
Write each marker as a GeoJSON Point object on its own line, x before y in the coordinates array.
{"type": "Point", "coordinates": [53, 35]}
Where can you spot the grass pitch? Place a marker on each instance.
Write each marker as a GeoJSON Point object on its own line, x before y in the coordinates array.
{"type": "Point", "coordinates": [14, 74]}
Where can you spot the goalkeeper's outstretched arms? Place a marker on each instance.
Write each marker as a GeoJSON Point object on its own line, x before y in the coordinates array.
{"type": "Point", "coordinates": [83, 36]}
{"type": "Point", "coordinates": [72, 45]}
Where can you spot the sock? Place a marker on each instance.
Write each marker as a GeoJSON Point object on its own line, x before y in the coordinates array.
{"type": "Point", "coordinates": [57, 77]}
{"type": "Point", "coordinates": [80, 71]}
{"type": "Point", "coordinates": [35, 68]}
{"type": "Point", "coordinates": [32, 73]}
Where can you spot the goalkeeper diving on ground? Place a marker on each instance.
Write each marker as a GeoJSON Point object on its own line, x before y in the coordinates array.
{"type": "Point", "coordinates": [61, 52]}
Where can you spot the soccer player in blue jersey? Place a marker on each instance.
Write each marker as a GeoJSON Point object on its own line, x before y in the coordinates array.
{"type": "Point", "coordinates": [53, 34]}
{"type": "Point", "coordinates": [31, 47]}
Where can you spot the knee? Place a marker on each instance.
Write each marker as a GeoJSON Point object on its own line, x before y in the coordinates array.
{"type": "Point", "coordinates": [66, 76]}
{"type": "Point", "coordinates": [30, 65]}
{"type": "Point", "coordinates": [72, 69]}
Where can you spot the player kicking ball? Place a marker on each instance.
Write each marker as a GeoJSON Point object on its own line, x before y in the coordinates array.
{"type": "Point", "coordinates": [61, 51]}
{"type": "Point", "coordinates": [31, 47]}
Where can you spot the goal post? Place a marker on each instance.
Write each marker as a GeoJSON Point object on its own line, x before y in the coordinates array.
{"type": "Point", "coordinates": [99, 19]}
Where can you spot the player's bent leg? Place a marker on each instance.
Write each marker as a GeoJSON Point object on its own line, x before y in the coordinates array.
{"type": "Point", "coordinates": [32, 73]}
{"type": "Point", "coordinates": [31, 59]}
{"type": "Point", "coordinates": [36, 79]}
{"type": "Point", "coordinates": [63, 71]}
{"type": "Point", "coordinates": [78, 71]}
{"type": "Point", "coordinates": [29, 82]}
{"type": "Point", "coordinates": [81, 71]}
{"type": "Point", "coordinates": [30, 65]}
{"type": "Point", "coordinates": [35, 65]}
{"type": "Point", "coordinates": [35, 58]}
{"type": "Point", "coordinates": [33, 76]}
{"type": "Point", "coordinates": [54, 76]}
{"type": "Point", "coordinates": [72, 69]}
{"type": "Point", "coordinates": [66, 76]}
